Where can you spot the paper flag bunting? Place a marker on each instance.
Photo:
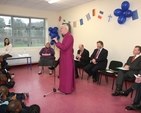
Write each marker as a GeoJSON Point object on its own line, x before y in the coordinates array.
{"type": "Point", "coordinates": [94, 12]}
{"type": "Point", "coordinates": [88, 17]}
{"type": "Point", "coordinates": [81, 21]}
{"type": "Point", "coordinates": [135, 15]}
{"type": "Point", "coordinates": [100, 14]}
{"type": "Point", "coordinates": [74, 24]}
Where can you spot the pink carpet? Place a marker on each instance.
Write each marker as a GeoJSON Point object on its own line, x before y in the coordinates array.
{"type": "Point", "coordinates": [89, 97]}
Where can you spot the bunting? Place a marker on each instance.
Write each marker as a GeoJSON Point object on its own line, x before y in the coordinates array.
{"type": "Point", "coordinates": [135, 15]}
{"type": "Point", "coordinates": [81, 21]}
{"type": "Point", "coordinates": [100, 14]}
{"type": "Point", "coordinates": [88, 17]}
{"type": "Point", "coordinates": [74, 24]}
{"type": "Point", "coordinates": [93, 13]}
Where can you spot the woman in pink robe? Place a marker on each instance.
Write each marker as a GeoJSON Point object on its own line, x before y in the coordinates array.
{"type": "Point", "coordinates": [66, 65]}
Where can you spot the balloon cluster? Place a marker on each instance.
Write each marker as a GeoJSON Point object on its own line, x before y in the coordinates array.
{"type": "Point", "coordinates": [53, 34]}
{"type": "Point", "coordinates": [123, 13]}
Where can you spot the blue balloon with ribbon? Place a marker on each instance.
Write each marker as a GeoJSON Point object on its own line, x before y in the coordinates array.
{"type": "Point", "coordinates": [53, 34]}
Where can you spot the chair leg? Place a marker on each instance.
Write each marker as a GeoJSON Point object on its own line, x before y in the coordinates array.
{"type": "Point", "coordinates": [100, 76]}
{"type": "Point", "coordinates": [125, 84]}
{"type": "Point", "coordinates": [113, 83]}
{"type": "Point", "coordinates": [82, 74]}
{"type": "Point", "coordinates": [106, 78]}
{"type": "Point", "coordinates": [131, 94]}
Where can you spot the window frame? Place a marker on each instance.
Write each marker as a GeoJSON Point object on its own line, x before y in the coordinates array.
{"type": "Point", "coordinates": [29, 39]}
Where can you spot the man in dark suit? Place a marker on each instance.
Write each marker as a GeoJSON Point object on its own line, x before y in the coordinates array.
{"type": "Point", "coordinates": [136, 86]}
{"type": "Point", "coordinates": [82, 58]}
{"type": "Point", "coordinates": [98, 61]}
{"type": "Point", "coordinates": [132, 66]}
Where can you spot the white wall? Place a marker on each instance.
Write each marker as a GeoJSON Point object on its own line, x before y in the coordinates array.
{"type": "Point", "coordinates": [118, 39]}
{"type": "Point", "coordinates": [51, 18]}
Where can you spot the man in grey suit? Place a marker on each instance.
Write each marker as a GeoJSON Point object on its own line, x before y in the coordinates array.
{"type": "Point", "coordinates": [132, 66]}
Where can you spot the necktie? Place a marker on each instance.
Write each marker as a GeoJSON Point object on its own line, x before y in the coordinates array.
{"type": "Point", "coordinates": [133, 58]}
{"type": "Point", "coordinates": [97, 54]}
{"type": "Point", "coordinates": [80, 55]}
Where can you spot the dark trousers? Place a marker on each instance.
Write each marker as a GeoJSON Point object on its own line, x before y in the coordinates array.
{"type": "Point", "coordinates": [6, 56]}
{"type": "Point", "coordinates": [4, 63]}
{"type": "Point", "coordinates": [92, 69]}
{"type": "Point", "coordinates": [124, 75]}
{"type": "Point", "coordinates": [78, 65]}
{"type": "Point", "coordinates": [137, 87]}
{"type": "Point", "coordinates": [57, 63]}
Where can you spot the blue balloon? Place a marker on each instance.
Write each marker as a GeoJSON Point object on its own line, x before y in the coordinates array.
{"type": "Point", "coordinates": [118, 12]}
{"type": "Point", "coordinates": [53, 35]}
{"type": "Point", "coordinates": [49, 34]}
{"type": "Point", "coordinates": [50, 29]}
{"type": "Point", "coordinates": [125, 5]}
{"type": "Point", "coordinates": [56, 28]}
{"type": "Point", "coordinates": [58, 37]}
{"type": "Point", "coordinates": [121, 19]}
{"type": "Point", "coordinates": [52, 42]}
{"type": "Point", "coordinates": [128, 13]}
{"type": "Point", "coordinates": [54, 31]}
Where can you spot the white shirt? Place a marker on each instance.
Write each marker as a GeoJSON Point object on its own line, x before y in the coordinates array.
{"type": "Point", "coordinates": [137, 56]}
{"type": "Point", "coordinates": [8, 49]}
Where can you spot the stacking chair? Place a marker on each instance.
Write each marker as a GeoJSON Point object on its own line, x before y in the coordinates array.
{"type": "Point", "coordinates": [110, 72]}
{"type": "Point", "coordinates": [81, 72]}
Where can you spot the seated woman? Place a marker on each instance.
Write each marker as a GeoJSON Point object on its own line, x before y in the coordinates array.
{"type": "Point", "coordinates": [46, 57]}
{"type": "Point", "coordinates": [7, 51]}
{"type": "Point", "coordinates": [8, 48]}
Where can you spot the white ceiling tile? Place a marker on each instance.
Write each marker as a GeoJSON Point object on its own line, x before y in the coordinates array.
{"type": "Point", "coordinates": [3, 1]}
{"type": "Point", "coordinates": [44, 5]}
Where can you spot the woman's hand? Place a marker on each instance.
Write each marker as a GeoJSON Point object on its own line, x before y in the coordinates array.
{"type": "Point", "coordinates": [45, 54]}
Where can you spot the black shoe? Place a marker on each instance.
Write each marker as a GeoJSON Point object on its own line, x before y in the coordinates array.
{"type": "Point", "coordinates": [122, 93]}
{"type": "Point", "coordinates": [51, 68]}
{"type": "Point", "coordinates": [136, 107]}
{"type": "Point", "coordinates": [116, 93]}
{"type": "Point", "coordinates": [94, 80]}
{"type": "Point", "coordinates": [39, 73]}
{"type": "Point", "coordinates": [129, 107]}
{"type": "Point", "coordinates": [77, 76]}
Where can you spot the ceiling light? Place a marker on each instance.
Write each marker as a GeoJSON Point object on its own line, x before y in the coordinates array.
{"type": "Point", "coordinates": [52, 1]}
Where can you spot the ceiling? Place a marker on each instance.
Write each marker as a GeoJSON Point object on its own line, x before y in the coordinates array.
{"type": "Point", "coordinates": [43, 4]}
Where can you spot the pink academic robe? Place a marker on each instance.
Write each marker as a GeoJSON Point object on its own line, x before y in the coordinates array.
{"type": "Point", "coordinates": [66, 64]}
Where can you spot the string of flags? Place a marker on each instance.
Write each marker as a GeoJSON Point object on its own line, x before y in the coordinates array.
{"type": "Point", "coordinates": [89, 15]}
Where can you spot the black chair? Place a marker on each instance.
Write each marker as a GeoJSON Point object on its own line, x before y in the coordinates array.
{"type": "Point", "coordinates": [111, 72]}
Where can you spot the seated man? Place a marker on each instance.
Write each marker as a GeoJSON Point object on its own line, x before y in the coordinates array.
{"type": "Point", "coordinates": [132, 66]}
{"type": "Point", "coordinates": [137, 86]}
{"type": "Point", "coordinates": [98, 61]}
{"type": "Point", "coordinates": [82, 58]}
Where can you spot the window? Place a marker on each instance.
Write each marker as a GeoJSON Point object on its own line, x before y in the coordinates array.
{"type": "Point", "coordinates": [22, 31]}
